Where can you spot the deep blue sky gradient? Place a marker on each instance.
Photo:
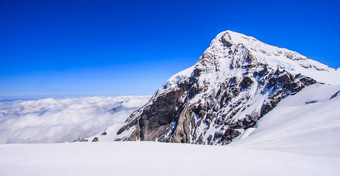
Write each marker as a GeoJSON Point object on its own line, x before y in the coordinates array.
{"type": "Point", "coordinates": [91, 47]}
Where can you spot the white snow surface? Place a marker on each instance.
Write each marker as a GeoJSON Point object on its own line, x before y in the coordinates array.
{"type": "Point", "coordinates": [172, 82]}
{"type": "Point", "coordinates": [60, 120]}
{"type": "Point", "coordinates": [154, 159]}
{"type": "Point", "coordinates": [308, 123]}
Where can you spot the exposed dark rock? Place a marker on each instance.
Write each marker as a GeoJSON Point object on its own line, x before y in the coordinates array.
{"type": "Point", "coordinates": [229, 135]}
{"type": "Point", "coordinates": [225, 42]}
{"type": "Point", "coordinates": [311, 102]}
{"type": "Point", "coordinates": [335, 95]}
{"type": "Point", "coordinates": [246, 82]}
{"type": "Point", "coordinates": [81, 140]}
{"type": "Point", "coordinates": [95, 139]}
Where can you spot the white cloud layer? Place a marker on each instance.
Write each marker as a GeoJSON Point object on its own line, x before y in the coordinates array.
{"type": "Point", "coordinates": [63, 120]}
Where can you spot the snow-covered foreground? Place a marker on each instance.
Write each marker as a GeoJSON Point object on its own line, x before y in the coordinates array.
{"type": "Point", "coordinates": [151, 158]}
{"type": "Point", "coordinates": [61, 120]}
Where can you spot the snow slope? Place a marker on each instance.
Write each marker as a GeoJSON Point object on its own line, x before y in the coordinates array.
{"type": "Point", "coordinates": [308, 122]}
{"type": "Point", "coordinates": [60, 120]}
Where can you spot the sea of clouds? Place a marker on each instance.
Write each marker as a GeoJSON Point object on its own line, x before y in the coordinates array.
{"type": "Point", "coordinates": [63, 120]}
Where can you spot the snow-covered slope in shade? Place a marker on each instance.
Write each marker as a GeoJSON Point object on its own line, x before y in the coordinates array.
{"type": "Point", "coordinates": [61, 120]}
{"type": "Point", "coordinates": [308, 122]}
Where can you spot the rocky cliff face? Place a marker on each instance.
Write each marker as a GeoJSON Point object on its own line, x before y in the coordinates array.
{"type": "Point", "coordinates": [236, 81]}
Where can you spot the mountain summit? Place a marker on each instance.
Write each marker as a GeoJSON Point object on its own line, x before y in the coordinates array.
{"type": "Point", "coordinates": [236, 81]}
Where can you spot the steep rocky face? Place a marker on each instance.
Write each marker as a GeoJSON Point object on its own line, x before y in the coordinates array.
{"type": "Point", "coordinates": [236, 81]}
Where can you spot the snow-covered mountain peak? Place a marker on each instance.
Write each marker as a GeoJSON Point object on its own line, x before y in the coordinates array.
{"type": "Point", "coordinates": [236, 81]}
{"type": "Point", "coordinates": [231, 49]}
{"type": "Point", "coordinates": [231, 54]}
{"type": "Point", "coordinates": [256, 47]}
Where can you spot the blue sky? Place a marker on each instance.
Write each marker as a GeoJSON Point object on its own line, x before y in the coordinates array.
{"type": "Point", "coordinates": [63, 48]}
